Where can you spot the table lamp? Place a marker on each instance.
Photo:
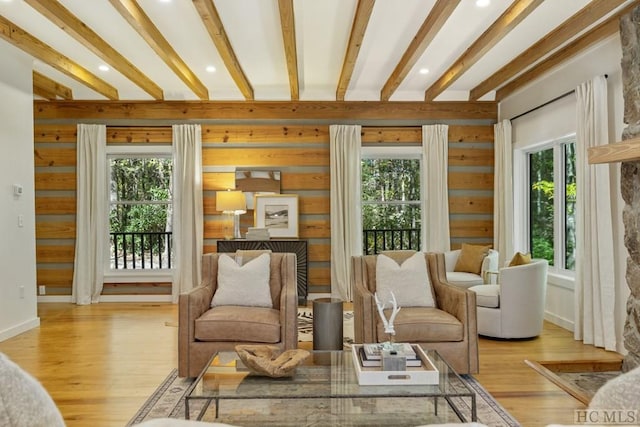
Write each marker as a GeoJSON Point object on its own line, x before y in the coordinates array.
{"type": "Point", "coordinates": [231, 203]}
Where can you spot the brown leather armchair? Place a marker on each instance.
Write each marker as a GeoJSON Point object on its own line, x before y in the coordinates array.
{"type": "Point", "coordinates": [203, 330]}
{"type": "Point", "coordinates": [451, 328]}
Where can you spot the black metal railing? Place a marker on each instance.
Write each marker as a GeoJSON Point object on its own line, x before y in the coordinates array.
{"type": "Point", "coordinates": [141, 250]}
{"type": "Point", "coordinates": [375, 241]}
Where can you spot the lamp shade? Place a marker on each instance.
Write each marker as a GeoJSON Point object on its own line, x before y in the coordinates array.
{"type": "Point", "coordinates": [232, 201]}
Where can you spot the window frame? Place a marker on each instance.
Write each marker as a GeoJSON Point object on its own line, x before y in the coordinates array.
{"type": "Point", "coordinates": [522, 185]}
{"type": "Point", "coordinates": [130, 275]}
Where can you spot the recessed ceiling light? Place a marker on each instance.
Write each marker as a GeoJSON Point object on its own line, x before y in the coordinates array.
{"type": "Point", "coordinates": [103, 67]}
{"type": "Point", "coordinates": [164, 1]}
{"type": "Point", "coordinates": [210, 69]}
{"type": "Point", "coordinates": [483, 3]}
{"type": "Point", "coordinates": [424, 71]}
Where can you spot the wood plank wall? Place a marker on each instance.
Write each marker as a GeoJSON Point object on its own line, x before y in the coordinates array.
{"type": "Point", "coordinates": [300, 152]}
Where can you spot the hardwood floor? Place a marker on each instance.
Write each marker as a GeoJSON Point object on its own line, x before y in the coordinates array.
{"type": "Point", "coordinates": [101, 362]}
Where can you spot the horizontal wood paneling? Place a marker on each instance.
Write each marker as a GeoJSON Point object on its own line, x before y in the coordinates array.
{"type": "Point", "coordinates": [138, 288]}
{"type": "Point", "coordinates": [48, 254]}
{"type": "Point", "coordinates": [470, 157]}
{"type": "Point", "coordinates": [300, 152]}
{"type": "Point", "coordinates": [319, 252]}
{"type": "Point", "coordinates": [470, 205]}
{"type": "Point", "coordinates": [470, 181]}
{"type": "Point", "coordinates": [265, 157]}
{"type": "Point", "coordinates": [312, 205]}
{"type": "Point", "coordinates": [62, 278]}
{"type": "Point", "coordinates": [56, 230]}
{"type": "Point", "coordinates": [49, 205]}
{"type": "Point", "coordinates": [320, 275]}
{"type": "Point", "coordinates": [257, 110]}
{"type": "Point", "coordinates": [476, 228]}
{"type": "Point", "coordinates": [267, 134]}
{"type": "Point", "coordinates": [305, 181]}
{"type": "Point", "coordinates": [413, 134]}
{"type": "Point", "coordinates": [55, 156]}
{"type": "Point", "coordinates": [55, 181]}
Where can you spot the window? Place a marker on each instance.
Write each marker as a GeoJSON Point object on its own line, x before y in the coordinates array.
{"type": "Point", "coordinates": [552, 198]}
{"type": "Point", "coordinates": [391, 198]}
{"type": "Point", "coordinates": [140, 212]}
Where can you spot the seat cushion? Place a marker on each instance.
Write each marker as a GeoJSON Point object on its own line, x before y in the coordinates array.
{"type": "Point", "coordinates": [464, 280]}
{"type": "Point", "coordinates": [423, 324]}
{"type": "Point", "coordinates": [487, 295]}
{"type": "Point", "coordinates": [236, 323]}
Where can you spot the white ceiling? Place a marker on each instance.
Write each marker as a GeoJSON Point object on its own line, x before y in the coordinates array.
{"type": "Point", "coordinates": [322, 30]}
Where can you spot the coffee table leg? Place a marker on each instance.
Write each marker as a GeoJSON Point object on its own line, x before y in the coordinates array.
{"type": "Point", "coordinates": [186, 408]}
{"type": "Point", "coordinates": [435, 405]}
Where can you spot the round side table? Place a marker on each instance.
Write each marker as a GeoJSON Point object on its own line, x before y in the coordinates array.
{"type": "Point", "coordinates": [327, 324]}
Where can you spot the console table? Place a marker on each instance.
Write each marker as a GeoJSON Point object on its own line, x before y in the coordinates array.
{"type": "Point", "coordinates": [298, 247]}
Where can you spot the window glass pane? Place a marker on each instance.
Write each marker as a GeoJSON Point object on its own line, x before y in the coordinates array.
{"type": "Point", "coordinates": [390, 179]}
{"type": "Point", "coordinates": [541, 204]}
{"type": "Point", "coordinates": [140, 179]}
{"type": "Point", "coordinates": [391, 204]}
{"type": "Point", "coordinates": [140, 213]}
{"type": "Point", "coordinates": [570, 206]}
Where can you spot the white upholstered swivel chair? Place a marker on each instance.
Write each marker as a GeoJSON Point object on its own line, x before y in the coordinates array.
{"type": "Point", "coordinates": [514, 308]}
{"type": "Point", "coordinates": [465, 279]}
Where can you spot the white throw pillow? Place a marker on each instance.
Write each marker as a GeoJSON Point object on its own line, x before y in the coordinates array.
{"type": "Point", "coordinates": [246, 285]}
{"type": "Point", "coordinates": [409, 282]}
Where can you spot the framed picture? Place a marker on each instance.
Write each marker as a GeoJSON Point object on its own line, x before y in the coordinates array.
{"type": "Point", "coordinates": [278, 213]}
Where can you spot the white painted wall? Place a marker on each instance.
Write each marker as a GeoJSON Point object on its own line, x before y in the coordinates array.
{"type": "Point", "coordinates": [18, 305]}
{"type": "Point", "coordinates": [558, 119]}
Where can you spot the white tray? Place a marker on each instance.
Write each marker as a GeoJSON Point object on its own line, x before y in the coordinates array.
{"type": "Point", "coordinates": [427, 374]}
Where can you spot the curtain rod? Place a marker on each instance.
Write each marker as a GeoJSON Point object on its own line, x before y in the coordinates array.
{"type": "Point", "coordinates": [557, 98]}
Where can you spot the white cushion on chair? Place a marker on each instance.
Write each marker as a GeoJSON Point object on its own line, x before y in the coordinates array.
{"type": "Point", "coordinates": [463, 280]}
{"type": "Point", "coordinates": [487, 295]}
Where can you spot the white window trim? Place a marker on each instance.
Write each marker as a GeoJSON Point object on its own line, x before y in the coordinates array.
{"type": "Point", "coordinates": [132, 276]}
{"type": "Point", "coordinates": [521, 204]}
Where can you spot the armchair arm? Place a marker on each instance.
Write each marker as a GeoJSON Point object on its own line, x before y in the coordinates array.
{"type": "Point", "coordinates": [191, 305]}
{"type": "Point", "coordinates": [458, 302]}
{"type": "Point", "coordinates": [363, 303]}
{"type": "Point", "coordinates": [289, 302]}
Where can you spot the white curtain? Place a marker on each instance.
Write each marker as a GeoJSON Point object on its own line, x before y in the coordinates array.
{"type": "Point", "coordinates": [594, 282]}
{"type": "Point", "coordinates": [346, 219]}
{"type": "Point", "coordinates": [503, 192]}
{"type": "Point", "coordinates": [187, 208]}
{"type": "Point", "coordinates": [435, 192]}
{"type": "Point", "coordinates": [91, 214]}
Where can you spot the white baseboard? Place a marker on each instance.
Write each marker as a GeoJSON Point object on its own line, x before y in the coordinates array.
{"type": "Point", "coordinates": [560, 321]}
{"type": "Point", "coordinates": [18, 329]}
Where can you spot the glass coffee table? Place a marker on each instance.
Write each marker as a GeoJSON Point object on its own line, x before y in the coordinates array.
{"type": "Point", "coordinates": [324, 391]}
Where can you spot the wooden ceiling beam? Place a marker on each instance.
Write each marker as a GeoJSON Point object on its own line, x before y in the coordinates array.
{"type": "Point", "coordinates": [234, 111]}
{"type": "Point", "coordinates": [600, 32]}
{"type": "Point", "coordinates": [439, 14]}
{"type": "Point", "coordinates": [63, 18]}
{"type": "Point", "coordinates": [138, 19]}
{"type": "Point", "coordinates": [287, 22]}
{"type": "Point", "coordinates": [511, 17]}
{"type": "Point", "coordinates": [581, 20]}
{"type": "Point", "coordinates": [213, 24]}
{"type": "Point", "coordinates": [358, 29]}
{"type": "Point", "coordinates": [45, 53]}
{"type": "Point", "coordinates": [50, 89]}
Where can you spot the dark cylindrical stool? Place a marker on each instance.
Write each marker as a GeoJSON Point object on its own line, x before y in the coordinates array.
{"type": "Point", "coordinates": [327, 324]}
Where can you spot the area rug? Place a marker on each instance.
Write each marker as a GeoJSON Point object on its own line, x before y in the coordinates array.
{"type": "Point", "coordinates": [168, 402]}
{"type": "Point", "coordinates": [305, 326]}
{"type": "Point", "coordinates": [579, 378]}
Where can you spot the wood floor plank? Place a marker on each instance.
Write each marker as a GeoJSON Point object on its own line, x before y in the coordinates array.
{"type": "Point", "coordinates": [101, 362]}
